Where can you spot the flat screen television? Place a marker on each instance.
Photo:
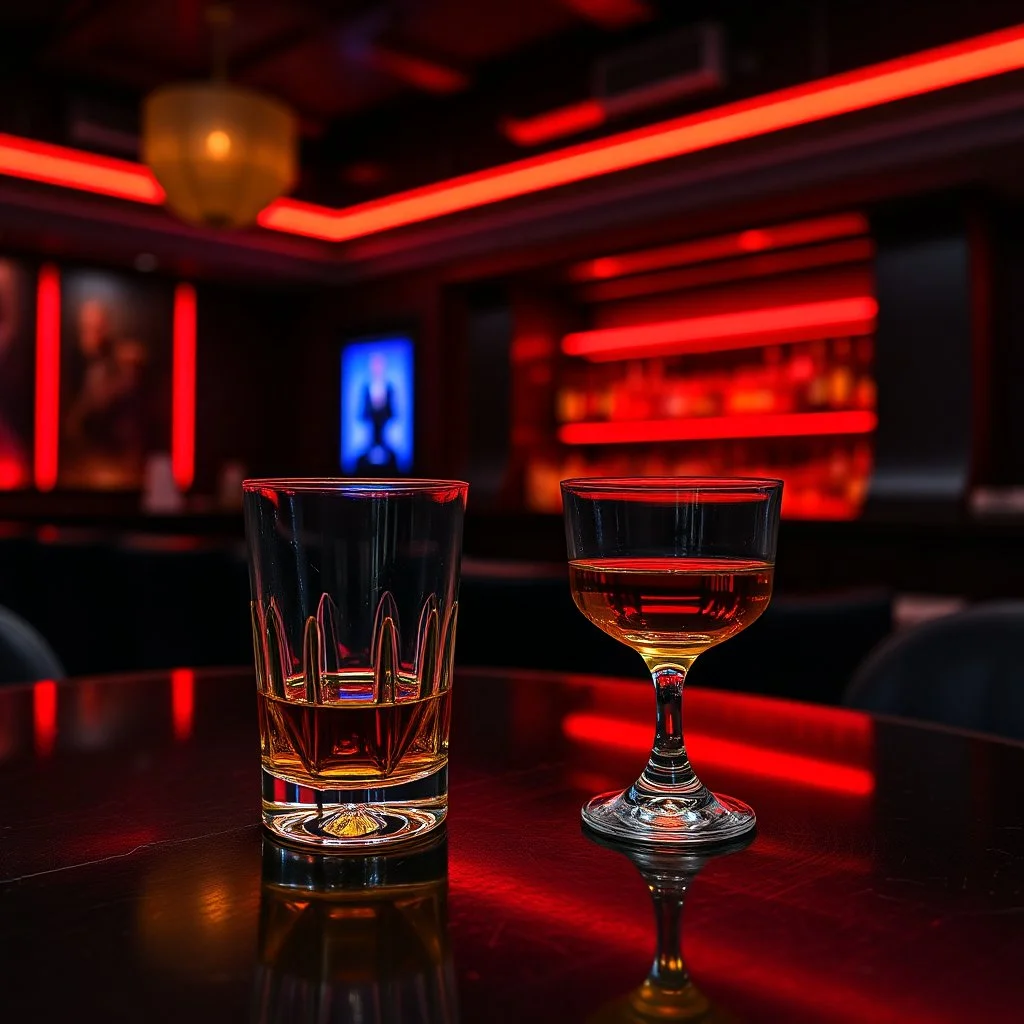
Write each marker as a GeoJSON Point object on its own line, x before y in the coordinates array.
{"type": "Point", "coordinates": [377, 391]}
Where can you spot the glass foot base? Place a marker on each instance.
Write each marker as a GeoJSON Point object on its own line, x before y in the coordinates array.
{"type": "Point", "coordinates": [337, 821]}
{"type": "Point", "coordinates": [672, 821]}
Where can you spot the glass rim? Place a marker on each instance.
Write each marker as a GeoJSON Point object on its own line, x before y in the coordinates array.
{"type": "Point", "coordinates": [662, 484]}
{"type": "Point", "coordinates": [353, 484]}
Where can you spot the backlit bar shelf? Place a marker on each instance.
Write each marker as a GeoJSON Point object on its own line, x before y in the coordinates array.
{"type": "Point", "coordinates": [744, 373]}
{"type": "Point", "coordinates": [717, 428]}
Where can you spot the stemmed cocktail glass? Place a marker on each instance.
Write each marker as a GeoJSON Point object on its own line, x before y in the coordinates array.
{"type": "Point", "coordinates": [670, 566]}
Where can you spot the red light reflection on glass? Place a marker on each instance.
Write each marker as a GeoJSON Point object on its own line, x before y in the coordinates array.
{"type": "Point", "coordinates": [794, 769]}
{"type": "Point", "coordinates": [183, 686]}
{"type": "Point", "coordinates": [44, 715]}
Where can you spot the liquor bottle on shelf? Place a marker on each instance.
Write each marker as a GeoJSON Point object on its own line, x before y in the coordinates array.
{"type": "Point", "coordinates": [676, 404]}
{"type": "Point", "coordinates": [816, 390]}
{"type": "Point", "coordinates": [841, 379]}
{"type": "Point", "coordinates": [865, 396]}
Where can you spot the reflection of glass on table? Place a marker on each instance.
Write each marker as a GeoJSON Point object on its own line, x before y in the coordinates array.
{"type": "Point", "coordinates": [355, 939]}
{"type": "Point", "coordinates": [668, 992]}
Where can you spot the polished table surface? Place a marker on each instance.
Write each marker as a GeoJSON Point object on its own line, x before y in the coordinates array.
{"type": "Point", "coordinates": [886, 881]}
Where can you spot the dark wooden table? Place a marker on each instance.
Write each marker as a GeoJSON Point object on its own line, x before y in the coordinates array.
{"type": "Point", "coordinates": [886, 882]}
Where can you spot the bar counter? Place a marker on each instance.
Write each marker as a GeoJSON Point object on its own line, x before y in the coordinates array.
{"type": "Point", "coordinates": [885, 883]}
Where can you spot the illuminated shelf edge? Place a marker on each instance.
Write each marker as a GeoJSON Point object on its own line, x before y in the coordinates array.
{"type": "Point", "coordinates": [752, 328]}
{"type": "Point", "coordinates": [712, 428]}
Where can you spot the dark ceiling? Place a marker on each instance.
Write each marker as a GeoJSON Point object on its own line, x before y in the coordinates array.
{"type": "Point", "coordinates": [394, 93]}
{"type": "Point", "coordinates": [328, 59]}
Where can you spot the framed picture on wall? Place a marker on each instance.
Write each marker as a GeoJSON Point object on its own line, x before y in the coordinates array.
{"type": "Point", "coordinates": [115, 372]}
{"type": "Point", "coordinates": [17, 367]}
{"type": "Point", "coordinates": [377, 414]}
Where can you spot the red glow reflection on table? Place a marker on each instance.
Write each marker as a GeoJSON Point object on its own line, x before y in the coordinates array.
{"type": "Point", "coordinates": [44, 715]}
{"type": "Point", "coordinates": [794, 769]}
{"type": "Point", "coordinates": [183, 685]}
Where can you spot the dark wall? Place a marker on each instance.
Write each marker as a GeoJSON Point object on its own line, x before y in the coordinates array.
{"type": "Point", "coordinates": [249, 402]}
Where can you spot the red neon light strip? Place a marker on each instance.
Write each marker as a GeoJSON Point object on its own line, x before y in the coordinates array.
{"type": "Point", "coordinates": [47, 412]}
{"type": "Point", "coordinates": [794, 769]}
{"type": "Point", "coordinates": [553, 124]}
{"type": "Point", "coordinates": [183, 685]}
{"type": "Point", "coordinates": [723, 331]}
{"type": "Point", "coordinates": [74, 168]}
{"type": "Point", "coordinates": [902, 78]}
{"type": "Point", "coordinates": [44, 715]}
{"type": "Point", "coordinates": [914, 75]}
{"type": "Point", "coordinates": [739, 243]}
{"type": "Point", "coordinates": [757, 265]}
{"type": "Point", "coordinates": [716, 428]}
{"type": "Point", "coordinates": [183, 388]}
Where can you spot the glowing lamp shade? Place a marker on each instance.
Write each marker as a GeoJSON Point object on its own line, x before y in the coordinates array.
{"type": "Point", "coordinates": [221, 153]}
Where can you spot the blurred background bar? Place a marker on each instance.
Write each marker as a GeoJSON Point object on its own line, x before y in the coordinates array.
{"type": "Point", "coordinates": [510, 243]}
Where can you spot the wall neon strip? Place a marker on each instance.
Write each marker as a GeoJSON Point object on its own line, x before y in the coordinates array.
{"type": "Point", "coordinates": [75, 168]}
{"type": "Point", "coordinates": [718, 428]}
{"type": "Point", "coordinates": [183, 387]}
{"type": "Point", "coordinates": [917, 74]}
{"type": "Point", "coordinates": [739, 243]}
{"type": "Point", "coordinates": [794, 769]}
{"type": "Point", "coordinates": [725, 331]}
{"type": "Point", "coordinates": [757, 265]}
{"type": "Point", "coordinates": [47, 412]}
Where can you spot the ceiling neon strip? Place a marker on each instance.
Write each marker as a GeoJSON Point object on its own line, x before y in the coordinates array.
{"type": "Point", "coordinates": [958, 63]}
{"type": "Point", "coordinates": [955, 64]}
{"type": "Point", "coordinates": [75, 168]}
{"type": "Point", "coordinates": [553, 124]}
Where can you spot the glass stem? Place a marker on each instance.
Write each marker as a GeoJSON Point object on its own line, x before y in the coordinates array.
{"type": "Point", "coordinates": [668, 771]}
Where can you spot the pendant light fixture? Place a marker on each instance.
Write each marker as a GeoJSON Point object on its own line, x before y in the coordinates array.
{"type": "Point", "coordinates": [221, 152]}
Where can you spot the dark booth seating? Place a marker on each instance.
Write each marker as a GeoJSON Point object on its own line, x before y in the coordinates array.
{"type": "Point", "coordinates": [803, 648]}
{"type": "Point", "coordinates": [25, 654]}
{"type": "Point", "coordinates": [138, 603]}
{"type": "Point", "coordinates": [964, 670]}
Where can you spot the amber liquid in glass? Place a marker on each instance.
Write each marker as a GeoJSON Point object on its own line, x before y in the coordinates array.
{"type": "Point", "coordinates": [671, 607]}
{"type": "Point", "coordinates": [349, 741]}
